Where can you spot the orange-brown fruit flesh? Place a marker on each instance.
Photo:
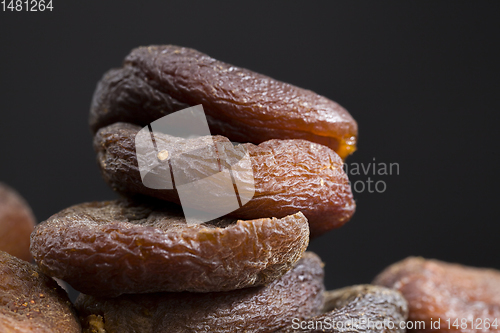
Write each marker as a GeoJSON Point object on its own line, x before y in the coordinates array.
{"type": "Point", "coordinates": [240, 104]}
{"type": "Point", "coordinates": [297, 294]}
{"type": "Point", "coordinates": [289, 175]}
{"type": "Point", "coordinates": [442, 291]}
{"type": "Point", "coordinates": [346, 309]}
{"type": "Point", "coordinates": [117, 247]}
{"type": "Point", "coordinates": [31, 301]}
{"type": "Point", "coordinates": [16, 223]}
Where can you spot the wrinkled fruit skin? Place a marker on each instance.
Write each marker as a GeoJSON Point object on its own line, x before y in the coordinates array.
{"type": "Point", "coordinates": [116, 247]}
{"type": "Point", "coordinates": [361, 303]}
{"type": "Point", "coordinates": [31, 301]}
{"type": "Point", "coordinates": [16, 223]}
{"type": "Point", "coordinates": [240, 104]}
{"type": "Point", "coordinates": [439, 290]}
{"type": "Point", "coordinates": [297, 294]}
{"type": "Point", "coordinates": [289, 175]}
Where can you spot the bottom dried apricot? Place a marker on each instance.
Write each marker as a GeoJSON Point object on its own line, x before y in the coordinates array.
{"type": "Point", "coordinates": [362, 308]}
{"type": "Point", "coordinates": [447, 294]}
{"type": "Point", "coordinates": [297, 294]}
{"type": "Point", "coordinates": [118, 247]}
{"type": "Point", "coordinates": [31, 301]}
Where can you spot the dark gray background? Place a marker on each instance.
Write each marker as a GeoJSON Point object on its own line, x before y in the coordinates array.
{"type": "Point", "coordinates": [421, 79]}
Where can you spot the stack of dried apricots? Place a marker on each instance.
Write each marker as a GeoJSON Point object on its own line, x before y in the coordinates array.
{"type": "Point", "coordinates": [140, 267]}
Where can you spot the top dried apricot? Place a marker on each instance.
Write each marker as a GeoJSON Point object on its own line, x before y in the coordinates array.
{"type": "Point", "coordinates": [240, 104]}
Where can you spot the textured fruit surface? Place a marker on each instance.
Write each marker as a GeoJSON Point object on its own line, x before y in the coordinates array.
{"type": "Point", "coordinates": [16, 224]}
{"type": "Point", "coordinates": [351, 309]}
{"type": "Point", "coordinates": [115, 247]}
{"type": "Point", "coordinates": [442, 291]}
{"type": "Point", "coordinates": [297, 294]}
{"type": "Point", "coordinates": [289, 175]}
{"type": "Point", "coordinates": [31, 301]}
{"type": "Point", "coordinates": [240, 104]}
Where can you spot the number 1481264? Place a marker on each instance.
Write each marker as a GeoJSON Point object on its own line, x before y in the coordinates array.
{"type": "Point", "coordinates": [26, 5]}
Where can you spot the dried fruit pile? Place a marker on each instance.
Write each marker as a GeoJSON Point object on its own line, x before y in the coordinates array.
{"type": "Point", "coordinates": [249, 266]}
{"type": "Point", "coordinates": [141, 267]}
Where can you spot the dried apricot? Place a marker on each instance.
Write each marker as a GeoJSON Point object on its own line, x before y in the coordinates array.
{"type": "Point", "coordinates": [297, 294]}
{"type": "Point", "coordinates": [16, 223]}
{"type": "Point", "coordinates": [447, 294]}
{"type": "Point", "coordinates": [116, 247]}
{"type": "Point", "coordinates": [31, 301]}
{"type": "Point", "coordinates": [240, 104]}
{"type": "Point", "coordinates": [289, 176]}
{"type": "Point", "coordinates": [361, 308]}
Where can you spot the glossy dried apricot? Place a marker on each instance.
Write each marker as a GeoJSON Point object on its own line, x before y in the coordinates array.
{"type": "Point", "coordinates": [16, 223]}
{"type": "Point", "coordinates": [442, 291]}
{"type": "Point", "coordinates": [31, 301]}
{"type": "Point", "coordinates": [297, 294]}
{"type": "Point", "coordinates": [116, 247]}
{"type": "Point", "coordinates": [240, 104]}
{"type": "Point", "coordinates": [361, 308]}
{"type": "Point", "coordinates": [289, 176]}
